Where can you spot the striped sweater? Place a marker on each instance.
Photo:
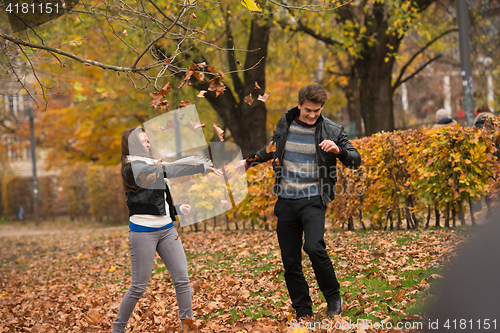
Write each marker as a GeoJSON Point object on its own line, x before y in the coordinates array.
{"type": "Point", "coordinates": [300, 168]}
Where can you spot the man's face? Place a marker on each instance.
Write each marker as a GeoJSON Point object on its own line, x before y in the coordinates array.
{"type": "Point", "coordinates": [309, 112]}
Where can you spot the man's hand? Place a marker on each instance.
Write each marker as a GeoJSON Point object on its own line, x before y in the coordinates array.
{"type": "Point", "coordinates": [241, 167]}
{"type": "Point", "coordinates": [185, 209]}
{"type": "Point", "coordinates": [329, 146]}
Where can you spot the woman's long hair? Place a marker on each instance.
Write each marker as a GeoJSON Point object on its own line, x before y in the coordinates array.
{"type": "Point", "coordinates": [131, 142]}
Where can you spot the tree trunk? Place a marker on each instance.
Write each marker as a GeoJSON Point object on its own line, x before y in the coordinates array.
{"type": "Point", "coordinates": [375, 84]}
{"type": "Point", "coordinates": [428, 216]}
{"type": "Point", "coordinates": [454, 216]}
{"type": "Point", "coordinates": [351, 92]}
{"type": "Point", "coordinates": [436, 211]}
{"type": "Point", "coordinates": [361, 219]}
{"type": "Point", "coordinates": [350, 224]}
{"type": "Point", "coordinates": [461, 215]}
{"type": "Point", "coordinates": [447, 216]}
{"type": "Point", "coordinates": [247, 123]}
{"type": "Point", "coordinates": [472, 218]}
{"type": "Point", "coordinates": [398, 226]}
{"type": "Point", "coordinates": [388, 220]}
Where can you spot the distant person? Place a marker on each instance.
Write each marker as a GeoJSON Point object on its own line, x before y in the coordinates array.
{"type": "Point", "coordinates": [20, 213]}
{"type": "Point", "coordinates": [444, 119]}
{"type": "Point", "coordinates": [152, 213]}
{"type": "Point", "coordinates": [483, 113]}
{"type": "Point", "coordinates": [305, 148]}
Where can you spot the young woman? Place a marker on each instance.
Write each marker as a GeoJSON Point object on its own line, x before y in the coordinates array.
{"type": "Point", "coordinates": [152, 213]}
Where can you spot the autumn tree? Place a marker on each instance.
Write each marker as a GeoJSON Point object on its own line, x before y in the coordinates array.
{"type": "Point", "coordinates": [364, 38]}
{"type": "Point", "coordinates": [134, 34]}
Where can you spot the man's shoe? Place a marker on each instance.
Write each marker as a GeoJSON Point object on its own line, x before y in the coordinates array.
{"type": "Point", "coordinates": [334, 308]}
{"type": "Point", "coordinates": [304, 312]}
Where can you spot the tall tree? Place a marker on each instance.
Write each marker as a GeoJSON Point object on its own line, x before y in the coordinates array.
{"type": "Point", "coordinates": [368, 34]}
{"type": "Point", "coordinates": [133, 32]}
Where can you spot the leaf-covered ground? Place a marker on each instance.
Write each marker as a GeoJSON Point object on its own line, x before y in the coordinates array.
{"type": "Point", "coordinates": [73, 281]}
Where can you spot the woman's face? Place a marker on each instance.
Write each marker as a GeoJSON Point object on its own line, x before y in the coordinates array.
{"type": "Point", "coordinates": [143, 137]}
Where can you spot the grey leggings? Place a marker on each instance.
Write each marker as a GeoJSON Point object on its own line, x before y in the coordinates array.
{"type": "Point", "coordinates": [143, 246]}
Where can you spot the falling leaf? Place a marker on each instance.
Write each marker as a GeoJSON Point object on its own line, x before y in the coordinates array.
{"type": "Point", "coordinates": [251, 5]}
{"type": "Point", "coordinates": [166, 89]}
{"type": "Point", "coordinates": [249, 99]}
{"type": "Point", "coordinates": [157, 102]}
{"type": "Point", "coordinates": [256, 86]}
{"type": "Point", "coordinates": [219, 131]}
{"type": "Point", "coordinates": [145, 180]}
{"type": "Point", "coordinates": [193, 125]}
{"type": "Point", "coordinates": [263, 98]}
{"type": "Point", "coordinates": [125, 33]}
{"type": "Point", "coordinates": [169, 124]}
{"type": "Point", "coordinates": [217, 86]}
{"type": "Point", "coordinates": [78, 86]}
{"type": "Point", "coordinates": [271, 147]}
{"type": "Point", "coordinates": [220, 74]}
{"type": "Point", "coordinates": [199, 76]}
{"type": "Point", "coordinates": [185, 103]}
{"type": "Point", "coordinates": [193, 15]}
{"type": "Point", "coordinates": [188, 75]}
{"type": "Point", "coordinates": [201, 94]}
{"type": "Point", "coordinates": [261, 176]}
{"type": "Point", "coordinates": [176, 237]}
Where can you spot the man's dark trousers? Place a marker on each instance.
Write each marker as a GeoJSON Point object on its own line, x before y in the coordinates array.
{"type": "Point", "coordinates": [304, 216]}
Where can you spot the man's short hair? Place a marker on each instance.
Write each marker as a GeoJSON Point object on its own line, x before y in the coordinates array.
{"type": "Point", "coordinates": [313, 93]}
{"type": "Point", "coordinates": [483, 108]}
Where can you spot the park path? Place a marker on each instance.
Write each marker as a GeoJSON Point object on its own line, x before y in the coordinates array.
{"type": "Point", "coordinates": [19, 231]}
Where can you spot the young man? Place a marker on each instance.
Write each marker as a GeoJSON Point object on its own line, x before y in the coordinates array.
{"type": "Point", "coordinates": [305, 147]}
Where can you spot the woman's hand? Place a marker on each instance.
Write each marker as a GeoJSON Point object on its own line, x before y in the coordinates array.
{"type": "Point", "coordinates": [185, 209]}
{"type": "Point", "coordinates": [158, 163]}
{"type": "Point", "coordinates": [214, 170]}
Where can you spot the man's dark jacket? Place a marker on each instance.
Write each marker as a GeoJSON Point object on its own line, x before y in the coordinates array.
{"type": "Point", "coordinates": [327, 162]}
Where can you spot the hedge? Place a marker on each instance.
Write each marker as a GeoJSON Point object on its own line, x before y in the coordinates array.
{"type": "Point", "coordinates": [403, 175]}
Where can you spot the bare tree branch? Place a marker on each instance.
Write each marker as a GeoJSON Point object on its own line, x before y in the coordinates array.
{"type": "Point", "coordinates": [313, 8]}
{"type": "Point", "coordinates": [75, 57]}
{"type": "Point", "coordinates": [417, 71]}
{"type": "Point", "coordinates": [426, 46]}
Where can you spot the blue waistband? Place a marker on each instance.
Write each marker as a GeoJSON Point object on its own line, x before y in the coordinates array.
{"type": "Point", "coordinates": [140, 228]}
